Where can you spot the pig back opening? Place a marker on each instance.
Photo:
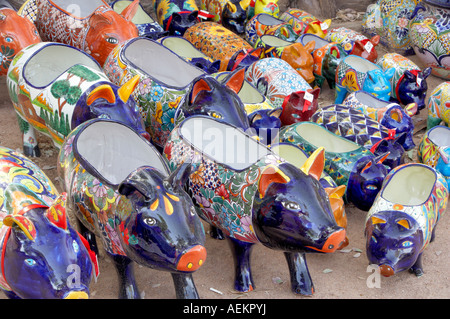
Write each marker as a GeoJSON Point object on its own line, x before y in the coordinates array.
{"type": "Point", "coordinates": [115, 150]}
{"type": "Point", "coordinates": [411, 185]}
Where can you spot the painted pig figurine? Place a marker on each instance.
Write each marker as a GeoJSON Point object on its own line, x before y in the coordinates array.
{"type": "Point", "coordinates": [398, 227]}
{"type": "Point", "coordinates": [354, 43]}
{"type": "Point", "coordinates": [219, 43]}
{"type": "Point", "coordinates": [140, 212]}
{"type": "Point", "coordinates": [409, 83]}
{"type": "Point", "coordinates": [40, 249]}
{"type": "Point", "coordinates": [75, 90]}
{"type": "Point", "coordinates": [285, 88]}
{"type": "Point", "coordinates": [438, 106]}
{"type": "Point", "coordinates": [355, 73]}
{"type": "Point", "coordinates": [11, 40]}
{"type": "Point", "coordinates": [175, 16]}
{"type": "Point", "coordinates": [256, 197]}
{"type": "Point", "coordinates": [232, 14]}
{"type": "Point", "coordinates": [304, 22]}
{"type": "Point", "coordinates": [94, 27]}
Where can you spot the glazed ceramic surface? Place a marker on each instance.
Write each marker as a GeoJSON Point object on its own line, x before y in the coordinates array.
{"type": "Point", "coordinates": [363, 130]}
{"type": "Point", "coordinates": [219, 43]}
{"type": "Point", "coordinates": [355, 73]}
{"type": "Point", "coordinates": [264, 23]}
{"type": "Point", "coordinates": [175, 16]}
{"type": "Point", "coordinates": [239, 192]}
{"type": "Point", "coordinates": [267, 7]}
{"type": "Point", "coordinates": [33, 218]}
{"type": "Point", "coordinates": [54, 87]}
{"type": "Point", "coordinates": [346, 162]}
{"type": "Point", "coordinates": [190, 53]}
{"type": "Point", "coordinates": [147, 27]}
{"type": "Point", "coordinates": [231, 14]}
{"type": "Point", "coordinates": [85, 27]}
{"type": "Point", "coordinates": [438, 105]}
{"type": "Point", "coordinates": [297, 55]}
{"type": "Point", "coordinates": [327, 56]}
{"type": "Point", "coordinates": [285, 88]}
{"type": "Point", "coordinates": [390, 115]}
{"type": "Point", "coordinates": [429, 34]}
{"type": "Point", "coordinates": [409, 83]}
{"type": "Point", "coordinates": [434, 149]}
{"type": "Point", "coordinates": [402, 220]}
{"type": "Point", "coordinates": [390, 20]}
{"type": "Point", "coordinates": [304, 22]}
{"type": "Point", "coordinates": [354, 43]}
{"type": "Point", "coordinates": [129, 200]}
{"type": "Point", "coordinates": [12, 41]}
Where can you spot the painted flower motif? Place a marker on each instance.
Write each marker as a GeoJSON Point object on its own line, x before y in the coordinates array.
{"type": "Point", "coordinates": [246, 223]}
{"type": "Point", "coordinates": [99, 189]}
{"type": "Point", "coordinates": [403, 22]}
{"type": "Point", "coordinates": [350, 81]}
{"type": "Point", "coordinates": [145, 86]}
{"type": "Point", "coordinates": [68, 146]}
{"type": "Point", "coordinates": [168, 119]}
{"type": "Point", "coordinates": [174, 104]}
{"type": "Point", "coordinates": [222, 192]}
{"type": "Point", "coordinates": [156, 93]}
{"type": "Point", "coordinates": [6, 56]}
{"type": "Point", "coordinates": [159, 112]}
{"type": "Point", "coordinates": [197, 176]}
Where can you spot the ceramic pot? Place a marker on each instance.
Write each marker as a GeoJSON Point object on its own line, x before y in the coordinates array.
{"type": "Point", "coordinates": [146, 216]}
{"type": "Point", "coordinates": [402, 220]}
{"type": "Point", "coordinates": [346, 162]}
{"type": "Point", "coordinates": [434, 149]}
{"type": "Point", "coordinates": [54, 87]}
{"type": "Point", "coordinates": [36, 236]}
{"type": "Point", "coordinates": [390, 20]}
{"type": "Point", "coordinates": [430, 36]}
{"type": "Point", "coordinates": [239, 191]}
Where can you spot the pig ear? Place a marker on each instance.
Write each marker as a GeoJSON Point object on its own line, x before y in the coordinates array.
{"type": "Point", "coordinates": [256, 52]}
{"type": "Point", "coordinates": [310, 46]}
{"type": "Point", "coordinates": [24, 224]}
{"type": "Point", "coordinates": [271, 174]}
{"type": "Point", "coordinates": [129, 186]}
{"type": "Point", "coordinates": [375, 40]}
{"type": "Point", "coordinates": [56, 213]}
{"type": "Point", "coordinates": [337, 192]}
{"type": "Point", "coordinates": [103, 91]}
{"type": "Point", "coordinates": [401, 138]}
{"type": "Point", "coordinates": [199, 86]}
{"type": "Point", "coordinates": [130, 11]}
{"type": "Point", "coordinates": [180, 176]}
{"type": "Point", "coordinates": [255, 117]}
{"type": "Point", "coordinates": [380, 159]}
{"type": "Point", "coordinates": [411, 109]}
{"type": "Point", "coordinates": [315, 92]}
{"type": "Point", "coordinates": [426, 73]}
{"type": "Point", "coordinates": [389, 73]}
{"type": "Point", "coordinates": [409, 75]}
{"type": "Point", "coordinates": [127, 88]}
{"type": "Point", "coordinates": [377, 220]}
{"type": "Point", "coordinates": [276, 113]}
{"type": "Point", "coordinates": [98, 18]}
{"type": "Point", "coordinates": [231, 7]}
{"type": "Point", "coordinates": [404, 223]}
{"type": "Point", "coordinates": [236, 80]}
{"type": "Point", "coordinates": [244, 4]}
{"type": "Point", "coordinates": [315, 163]}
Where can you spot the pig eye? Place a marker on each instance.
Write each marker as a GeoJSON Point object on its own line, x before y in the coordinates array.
{"type": "Point", "coordinates": [215, 115]}
{"type": "Point", "coordinates": [374, 239]}
{"type": "Point", "coordinates": [371, 187]}
{"type": "Point", "coordinates": [30, 262]}
{"type": "Point", "coordinates": [149, 221]}
{"type": "Point", "coordinates": [293, 206]}
{"type": "Point", "coordinates": [76, 247]}
{"type": "Point", "coordinates": [407, 244]}
{"type": "Point", "coordinates": [8, 39]}
{"type": "Point", "coordinates": [112, 40]}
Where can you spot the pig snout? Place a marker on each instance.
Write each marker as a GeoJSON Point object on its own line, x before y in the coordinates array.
{"type": "Point", "coordinates": [76, 295]}
{"type": "Point", "coordinates": [386, 270]}
{"type": "Point", "coordinates": [307, 75]}
{"type": "Point", "coordinates": [333, 242]}
{"type": "Point", "coordinates": [192, 259]}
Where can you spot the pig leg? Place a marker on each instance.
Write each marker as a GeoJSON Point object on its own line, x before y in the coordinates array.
{"type": "Point", "coordinates": [243, 277]}
{"type": "Point", "coordinates": [127, 283]}
{"type": "Point", "coordinates": [89, 236]}
{"type": "Point", "coordinates": [184, 286]}
{"type": "Point", "coordinates": [30, 146]}
{"type": "Point", "coordinates": [417, 268]}
{"type": "Point", "coordinates": [301, 282]}
{"type": "Point", "coordinates": [216, 233]}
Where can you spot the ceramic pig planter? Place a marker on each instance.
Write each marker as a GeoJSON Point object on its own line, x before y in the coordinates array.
{"type": "Point", "coordinates": [355, 73]}
{"type": "Point", "coordinates": [176, 16]}
{"type": "Point", "coordinates": [242, 193]}
{"type": "Point", "coordinates": [409, 83]}
{"type": "Point", "coordinates": [132, 203]}
{"type": "Point", "coordinates": [40, 249]}
{"type": "Point", "coordinates": [438, 105]}
{"type": "Point", "coordinates": [54, 100]}
{"type": "Point", "coordinates": [232, 14]}
{"type": "Point", "coordinates": [348, 163]}
{"type": "Point", "coordinates": [94, 27]}
{"type": "Point", "coordinates": [304, 22]}
{"type": "Point", "coordinates": [285, 88]}
{"type": "Point", "coordinates": [401, 223]}
{"type": "Point", "coordinates": [11, 40]}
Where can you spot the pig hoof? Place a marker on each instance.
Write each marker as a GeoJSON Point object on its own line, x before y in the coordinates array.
{"type": "Point", "coordinates": [31, 151]}
{"type": "Point", "coordinates": [216, 233]}
{"type": "Point", "coordinates": [417, 271]}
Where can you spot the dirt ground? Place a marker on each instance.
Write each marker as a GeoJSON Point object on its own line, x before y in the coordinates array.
{"type": "Point", "coordinates": [339, 275]}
